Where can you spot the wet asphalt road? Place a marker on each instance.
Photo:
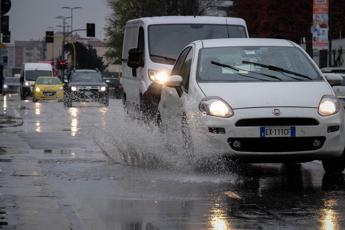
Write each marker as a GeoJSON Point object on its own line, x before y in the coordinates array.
{"type": "Point", "coordinates": [91, 167]}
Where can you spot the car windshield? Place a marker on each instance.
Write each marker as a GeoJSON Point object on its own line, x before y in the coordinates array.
{"type": "Point", "coordinates": [32, 75]}
{"type": "Point", "coordinates": [237, 64]}
{"type": "Point", "coordinates": [161, 35]}
{"type": "Point", "coordinates": [48, 81]}
{"type": "Point", "coordinates": [12, 80]}
{"type": "Point", "coordinates": [93, 77]}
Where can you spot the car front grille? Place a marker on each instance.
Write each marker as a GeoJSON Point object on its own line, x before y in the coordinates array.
{"type": "Point", "coordinates": [276, 144]}
{"type": "Point", "coordinates": [277, 122]}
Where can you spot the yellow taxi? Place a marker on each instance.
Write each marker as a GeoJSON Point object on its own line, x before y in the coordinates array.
{"type": "Point", "coordinates": [48, 88]}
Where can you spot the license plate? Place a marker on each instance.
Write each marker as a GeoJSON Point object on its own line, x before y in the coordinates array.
{"type": "Point", "coordinates": [49, 93]}
{"type": "Point", "coordinates": [277, 131]}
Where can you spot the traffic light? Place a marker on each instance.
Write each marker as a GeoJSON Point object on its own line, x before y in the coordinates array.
{"type": "Point", "coordinates": [62, 64]}
{"type": "Point", "coordinates": [90, 29]}
{"type": "Point", "coordinates": [49, 36]}
{"type": "Point", "coordinates": [5, 21]}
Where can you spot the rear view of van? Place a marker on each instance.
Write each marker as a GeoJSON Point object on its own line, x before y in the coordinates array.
{"type": "Point", "coordinates": [30, 72]}
{"type": "Point", "coordinates": [151, 47]}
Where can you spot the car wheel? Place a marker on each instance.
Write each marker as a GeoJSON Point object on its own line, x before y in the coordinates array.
{"type": "Point", "coordinates": [187, 137]}
{"type": "Point", "coordinates": [336, 165]}
{"type": "Point", "coordinates": [67, 102]}
{"type": "Point", "coordinates": [34, 99]}
{"type": "Point", "coordinates": [105, 101]}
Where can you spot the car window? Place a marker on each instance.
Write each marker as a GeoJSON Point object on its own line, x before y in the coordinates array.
{"type": "Point", "coordinates": [180, 61]}
{"type": "Point", "coordinates": [48, 81]}
{"type": "Point", "coordinates": [93, 77]}
{"type": "Point", "coordinates": [254, 64]}
{"type": "Point", "coordinates": [185, 70]}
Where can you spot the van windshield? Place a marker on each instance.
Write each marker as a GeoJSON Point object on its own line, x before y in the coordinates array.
{"type": "Point", "coordinates": [166, 41]}
{"type": "Point", "coordinates": [32, 75]}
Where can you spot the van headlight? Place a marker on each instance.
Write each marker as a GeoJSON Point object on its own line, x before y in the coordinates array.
{"type": "Point", "coordinates": [158, 76]}
{"type": "Point", "coordinates": [27, 83]}
{"type": "Point", "coordinates": [328, 105]}
{"type": "Point", "coordinates": [73, 88]}
{"type": "Point", "coordinates": [215, 106]}
{"type": "Point", "coordinates": [5, 86]}
{"type": "Point", "coordinates": [103, 88]}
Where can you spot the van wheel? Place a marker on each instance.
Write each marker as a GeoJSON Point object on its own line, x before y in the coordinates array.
{"type": "Point", "coordinates": [335, 165]}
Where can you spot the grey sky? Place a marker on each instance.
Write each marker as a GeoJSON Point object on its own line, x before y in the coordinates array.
{"type": "Point", "coordinates": [29, 19]}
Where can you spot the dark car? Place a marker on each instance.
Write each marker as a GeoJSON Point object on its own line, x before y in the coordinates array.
{"type": "Point", "coordinates": [11, 85]}
{"type": "Point", "coordinates": [114, 85]}
{"type": "Point", "coordinates": [86, 85]}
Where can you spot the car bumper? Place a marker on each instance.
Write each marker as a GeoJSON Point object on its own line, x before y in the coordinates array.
{"type": "Point", "coordinates": [53, 95]}
{"type": "Point", "coordinates": [311, 141]}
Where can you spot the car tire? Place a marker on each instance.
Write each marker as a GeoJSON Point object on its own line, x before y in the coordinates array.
{"type": "Point", "coordinates": [335, 165]}
{"type": "Point", "coordinates": [34, 99]}
{"type": "Point", "coordinates": [67, 102]}
{"type": "Point", "coordinates": [105, 101]}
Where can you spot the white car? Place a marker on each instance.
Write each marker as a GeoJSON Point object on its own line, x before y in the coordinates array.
{"type": "Point", "coordinates": [262, 100]}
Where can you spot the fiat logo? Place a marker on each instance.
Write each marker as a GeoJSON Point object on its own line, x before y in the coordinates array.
{"type": "Point", "coordinates": [276, 112]}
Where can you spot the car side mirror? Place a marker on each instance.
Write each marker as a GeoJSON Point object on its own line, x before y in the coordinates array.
{"type": "Point", "coordinates": [135, 58]}
{"type": "Point", "coordinates": [174, 81]}
{"type": "Point", "coordinates": [333, 79]}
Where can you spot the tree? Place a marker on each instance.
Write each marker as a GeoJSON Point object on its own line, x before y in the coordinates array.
{"type": "Point", "coordinates": [124, 10]}
{"type": "Point", "coordinates": [86, 57]}
{"type": "Point", "coordinates": [276, 18]}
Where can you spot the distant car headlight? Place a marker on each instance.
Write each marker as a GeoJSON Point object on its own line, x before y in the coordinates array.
{"type": "Point", "coordinates": [328, 105]}
{"type": "Point", "coordinates": [37, 89]}
{"type": "Point", "coordinates": [159, 77]}
{"type": "Point", "coordinates": [27, 83]}
{"type": "Point", "coordinates": [5, 86]}
{"type": "Point", "coordinates": [215, 106]}
{"type": "Point", "coordinates": [103, 88]}
{"type": "Point", "coordinates": [73, 88]}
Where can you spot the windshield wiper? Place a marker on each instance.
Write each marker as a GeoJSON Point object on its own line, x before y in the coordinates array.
{"type": "Point", "coordinates": [278, 69]}
{"type": "Point", "coordinates": [163, 57]}
{"type": "Point", "coordinates": [238, 70]}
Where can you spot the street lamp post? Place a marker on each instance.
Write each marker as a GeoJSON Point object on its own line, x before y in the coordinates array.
{"type": "Point", "coordinates": [63, 40]}
{"type": "Point", "coordinates": [71, 9]}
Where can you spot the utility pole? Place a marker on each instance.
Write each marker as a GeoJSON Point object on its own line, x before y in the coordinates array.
{"type": "Point", "coordinates": [1, 64]}
{"type": "Point", "coordinates": [63, 43]}
{"type": "Point", "coordinates": [330, 30]}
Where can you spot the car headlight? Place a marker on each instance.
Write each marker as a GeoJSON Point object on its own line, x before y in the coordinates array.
{"type": "Point", "coordinates": [73, 88]}
{"type": "Point", "coordinates": [37, 89]}
{"type": "Point", "coordinates": [215, 106]}
{"type": "Point", "coordinates": [328, 105]}
{"type": "Point", "coordinates": [61, 88]}
{"type": "Point", "coordinates": [27, 83]}
{"type": "Point", "coordinates": [159, 77]}
{"type": "Point", "coordinates": [5, 86]}
{"type": "Point", "coordinates": [103, 88]}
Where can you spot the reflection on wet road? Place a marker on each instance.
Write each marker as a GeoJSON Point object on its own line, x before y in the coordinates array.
{"type": "Point", "coordinates": [73, 146]}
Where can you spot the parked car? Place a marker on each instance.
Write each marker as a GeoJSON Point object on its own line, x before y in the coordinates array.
{"type": "Point", "coordinates": [114, 85]}
{"type": "Point", "coordinates": [48, 88]}
{"type": "Point", "coordinates": [338, 89]}
{"type": "Point", "coordinates": [259, 100]}
{"type": "Point", "coordinates": [85, 85]}
{"type": "Point", "coordinates": [151, 46]}
{"type": "Point", "coordinates": [11, 85]}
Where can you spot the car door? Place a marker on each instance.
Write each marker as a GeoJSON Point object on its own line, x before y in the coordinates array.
{"type": "Point", "coordinates": [172, 100]}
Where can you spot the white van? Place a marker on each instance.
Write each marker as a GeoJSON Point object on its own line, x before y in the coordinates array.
{"type": "Point", "coordinates": [151, 46]}
{"type": "Point", "coordinates": [30, 72]}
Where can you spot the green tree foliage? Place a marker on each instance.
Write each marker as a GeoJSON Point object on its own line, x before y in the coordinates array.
{"type": "Point", "coordinates": [124, 10]}
{"type": "Point", "coordinates": [86, 57]}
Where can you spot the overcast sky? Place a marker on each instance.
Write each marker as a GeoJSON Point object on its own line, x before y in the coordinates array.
{"type": "Point", "coordinates": [29, 19]}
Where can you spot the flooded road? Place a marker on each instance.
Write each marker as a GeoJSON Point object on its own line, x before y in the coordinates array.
{"type": "Point", "coordinates": [91, 167]}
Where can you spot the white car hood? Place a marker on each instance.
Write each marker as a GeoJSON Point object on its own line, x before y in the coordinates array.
{"type": "Point", "coordinates": [268, 94]}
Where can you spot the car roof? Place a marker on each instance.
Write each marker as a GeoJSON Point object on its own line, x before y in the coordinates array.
{"type": "Point", "coordinates": [235, 42]}
{"type": "Point", "coordinates": [47, 77]}
{"type": "Point", "coordinates": [85, 70]}
{"type": "Point", "coordinates": [188, 20]}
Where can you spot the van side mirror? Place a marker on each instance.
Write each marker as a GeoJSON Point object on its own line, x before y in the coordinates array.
{"type": "Point", "coordinates": [334, 79]}
{"type": "Point", "coordinates": [135, 58]}
{"type": "Point", "coordinates": [174, 81]}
